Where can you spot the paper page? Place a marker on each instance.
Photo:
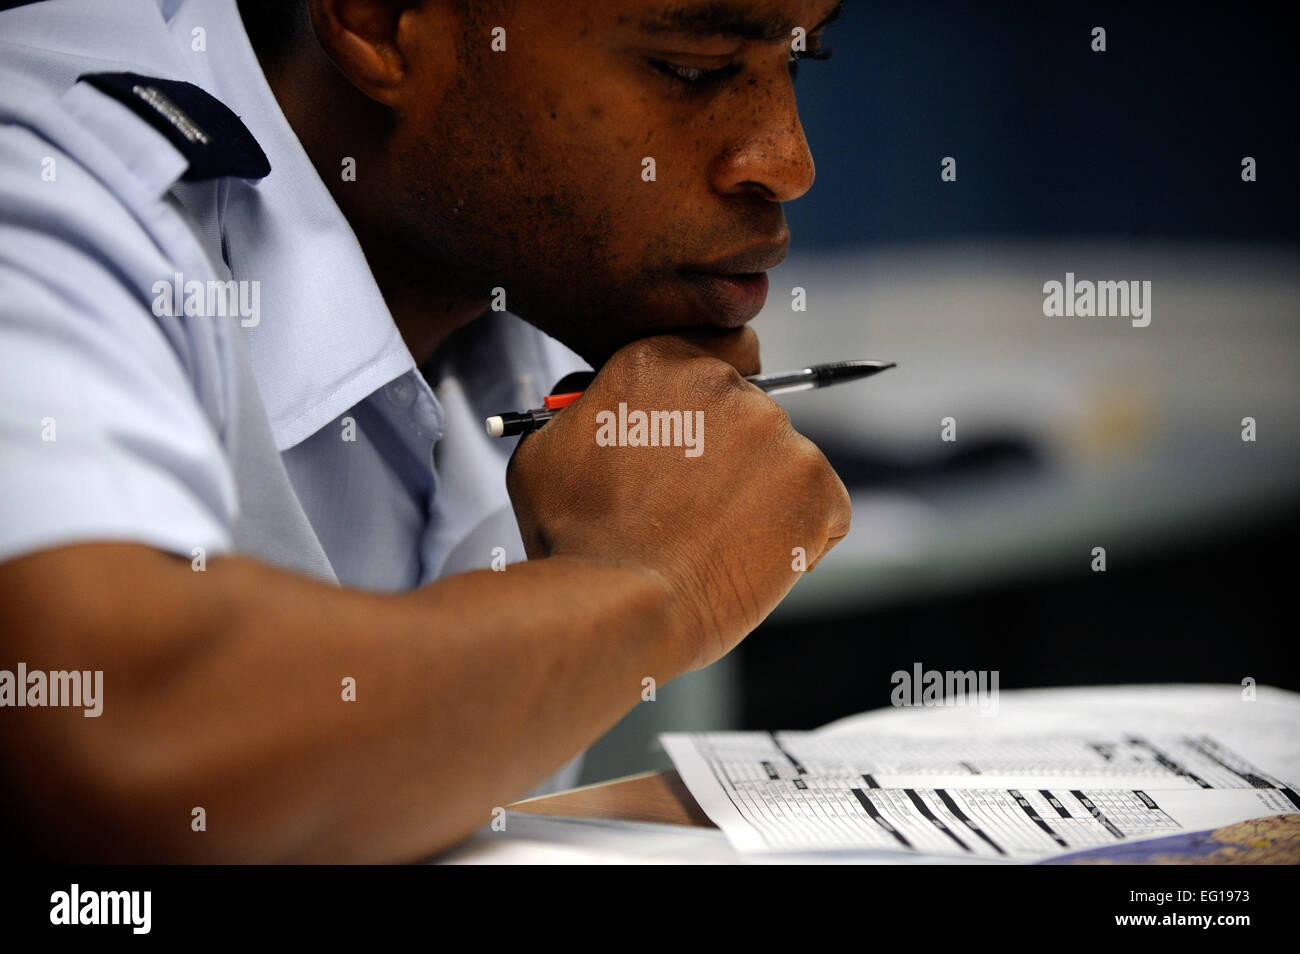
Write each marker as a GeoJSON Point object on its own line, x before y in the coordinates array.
{"type": "Point", "coordinates": [1263, 725]}
{"type": "Point", "coordinates": [885, 761]}
{"type": "Point", "coordinates": [977, 793]}
{"type": "Point", "coordinates": [792, 792]}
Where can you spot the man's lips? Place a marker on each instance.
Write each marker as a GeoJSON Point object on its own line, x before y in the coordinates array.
{"type": "Point", "coordinates": [733, 289]}
{"type": "Point", "coordinates": [730, 300]}
{"type": "Point", "coordinates": [756, 258]}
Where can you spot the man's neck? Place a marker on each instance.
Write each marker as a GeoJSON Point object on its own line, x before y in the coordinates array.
{"type": "Point", "coordinates": [324, 111]}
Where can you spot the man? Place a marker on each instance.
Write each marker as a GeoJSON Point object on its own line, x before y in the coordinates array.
{"type": "Point", "coordinates": [258, 293]}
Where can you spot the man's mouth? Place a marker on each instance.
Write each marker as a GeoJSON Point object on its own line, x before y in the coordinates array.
{"type": "Point", "coordinates": [733, 289]}
{"type": "Point", "coordinates": [730, 300]}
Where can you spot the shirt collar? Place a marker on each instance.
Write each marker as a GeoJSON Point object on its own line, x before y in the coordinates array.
{"type": "Point", "coordinates": [326, 338]}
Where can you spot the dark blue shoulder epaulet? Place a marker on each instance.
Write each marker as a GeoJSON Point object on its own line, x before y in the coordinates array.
{"type": "Point", "coordinates": [201, 127]}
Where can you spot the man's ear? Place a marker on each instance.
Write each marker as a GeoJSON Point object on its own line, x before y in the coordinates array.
{"type": "Point", "coordinates": [364, 39]}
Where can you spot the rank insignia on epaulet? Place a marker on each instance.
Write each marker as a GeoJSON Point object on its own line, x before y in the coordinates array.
{"type": "Point", "coordinates": [200, 126]}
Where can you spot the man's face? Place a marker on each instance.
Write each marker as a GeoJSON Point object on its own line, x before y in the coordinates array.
{"type": "Point", "coordinates": [528, 168]}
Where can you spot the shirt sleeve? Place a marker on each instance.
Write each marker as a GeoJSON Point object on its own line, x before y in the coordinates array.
{"type": "Point", "coordinates": [102, 436]}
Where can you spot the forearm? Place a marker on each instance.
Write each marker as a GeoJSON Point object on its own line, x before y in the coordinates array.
{"type": "Point", "coordinates": [226, 692]}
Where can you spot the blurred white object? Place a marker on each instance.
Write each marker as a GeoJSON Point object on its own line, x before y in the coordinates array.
{"type": "Point", "coordinates": [1138, 430]}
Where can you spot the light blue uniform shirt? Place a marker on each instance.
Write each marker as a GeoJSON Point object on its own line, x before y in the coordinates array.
{"type": "Point", "coordinates": [304, 434]}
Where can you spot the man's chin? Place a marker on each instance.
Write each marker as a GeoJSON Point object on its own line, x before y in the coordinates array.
{"type": "Point", "coordinates": [592, 343]}
{"type": "Point", "coordinates": [700, 333]}
{"type": "Point", "coordinates": [596, 341]}
{"type": "Point", "coordinates": [594, 349]}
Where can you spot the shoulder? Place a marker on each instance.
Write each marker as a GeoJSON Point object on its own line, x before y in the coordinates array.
{"type": "Point", "coordinates": [104, 83]}
{"type": "Point", "coordinates": [92, 220]}
{"type": "Point", "coordinates": [131, 128]}
{"type": "Point", "coordinates": [102, 155]}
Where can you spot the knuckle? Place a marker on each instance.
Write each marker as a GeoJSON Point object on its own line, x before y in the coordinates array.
{"type": "Point", "coordinates": [843, 497]}
{"type": "Point", "coordinates": [778, 417]}
{"type": "Point", "coordinates": [637, 359]}
{"type": "Point", "coordinates": [843, 510]}
{"type": "Point", "coordinates": [715, 376]}
{"type": "Point", "coordinates": [809, 457]}
{"type": "Point", "coordinates": [823, 482]}
{"type": "Point", "coordinates": [749, 350]}
{"type": "Point", "coordinates": [741, 350]}
{"type": "Point", "coordinates": [513, 480]}
{"type": "Point", "coordinates": [519, 467]}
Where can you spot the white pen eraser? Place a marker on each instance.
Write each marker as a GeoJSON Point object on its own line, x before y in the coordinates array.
{"type": "Point", "coordinates": [495, 426]}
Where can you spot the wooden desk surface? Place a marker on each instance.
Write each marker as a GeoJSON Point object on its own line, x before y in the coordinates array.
{"type": "Point", "coordinates": [649, 797]}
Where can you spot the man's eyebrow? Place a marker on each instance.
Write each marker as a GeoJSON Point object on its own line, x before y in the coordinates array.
{"type": "Point", "coordinates": [727, 18]}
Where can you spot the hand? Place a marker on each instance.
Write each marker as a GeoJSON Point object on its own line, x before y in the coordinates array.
{"type": "Point", "coordinates": [716, 515]}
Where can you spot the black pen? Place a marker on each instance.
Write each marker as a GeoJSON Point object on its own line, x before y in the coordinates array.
{"type": "Point", "coordinates": [511, 423]}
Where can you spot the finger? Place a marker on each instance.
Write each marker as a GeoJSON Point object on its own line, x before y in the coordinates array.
{"type": "Point", "coordinates": [839, 520]}
{"type": "Point", "coordinates": [736, 346]}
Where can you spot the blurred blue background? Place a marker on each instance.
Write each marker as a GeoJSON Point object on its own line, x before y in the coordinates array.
{"type": "Point", "coordinates": [1143, 141]}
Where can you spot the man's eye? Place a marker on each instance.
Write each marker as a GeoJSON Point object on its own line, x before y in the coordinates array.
{"type": "Point", "coordinates": [692, 76]}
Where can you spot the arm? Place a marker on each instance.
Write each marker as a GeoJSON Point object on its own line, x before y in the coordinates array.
{"type": "Point", "coordinates": [223, 689]}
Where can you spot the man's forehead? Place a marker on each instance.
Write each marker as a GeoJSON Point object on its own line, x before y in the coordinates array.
{"type": "Point", "coordinates": [763, 20]}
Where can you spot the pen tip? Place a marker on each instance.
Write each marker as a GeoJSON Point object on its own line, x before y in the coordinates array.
{"type": "Point", "coordinates": [495, 426]}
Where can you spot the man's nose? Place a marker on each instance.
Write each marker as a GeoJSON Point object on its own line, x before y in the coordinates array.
{"type": "Point", "coordinates": [771, 157]}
